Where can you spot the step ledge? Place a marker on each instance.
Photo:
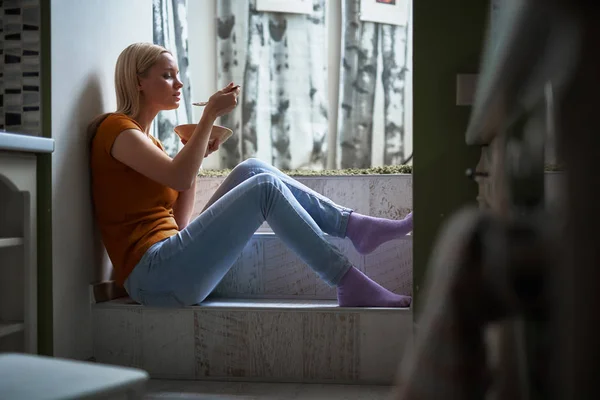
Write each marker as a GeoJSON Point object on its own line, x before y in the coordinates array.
{"type": "Point", "coordinates": [256, 305]}
{"type": "Point", "coordinates": [270, 234]}
{"type": "Point", "coordinates": [341, 176]}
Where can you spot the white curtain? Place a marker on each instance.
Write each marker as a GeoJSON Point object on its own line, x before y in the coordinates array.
{"type": "Point", "coordinates": [375, 62]}
{"type": "Point", "coordinates": [170, 31]}
{"type": "Point", "coordinates": [281, 62]}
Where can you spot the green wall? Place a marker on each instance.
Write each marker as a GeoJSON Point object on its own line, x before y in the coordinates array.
{"type": "Point", "coordinates": [44, 198]}
{"type": "Point", "coordinates": [448, 40]}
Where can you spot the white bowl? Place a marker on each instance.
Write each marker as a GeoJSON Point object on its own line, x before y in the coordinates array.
{"type": "Point", "coordinates": [218, 132]}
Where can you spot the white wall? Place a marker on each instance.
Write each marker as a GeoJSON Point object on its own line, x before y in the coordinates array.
{"type": "Point", "coordinates": [87, 36]}
{"type": "Point", "coordinates": [202, 52]}
{"type": "Point", "coordinates": [202, 48]}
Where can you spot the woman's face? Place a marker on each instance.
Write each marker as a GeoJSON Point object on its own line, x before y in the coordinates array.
{"type": "Point", "coordinates": [160, 88]}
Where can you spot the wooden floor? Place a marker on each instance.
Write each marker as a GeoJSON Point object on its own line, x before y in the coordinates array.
{"type": "Point", "coordinates": [202, 390]}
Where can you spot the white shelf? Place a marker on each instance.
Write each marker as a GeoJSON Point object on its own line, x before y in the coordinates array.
{"type": "Point", "coordinates": [11, 242]}
{"type": "Point", "coordinates": [10, 328]}
{"type": "Point", "coordinates": [18, 173]}
{"type": "Point", "coordinates": [25, 143]}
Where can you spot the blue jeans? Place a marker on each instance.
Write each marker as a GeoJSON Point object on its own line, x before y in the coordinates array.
{"type": "Point", "coordinates": [185, 268]}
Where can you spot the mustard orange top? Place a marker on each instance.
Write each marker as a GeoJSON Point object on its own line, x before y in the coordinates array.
{"type": "Point", "coordinates": [133, 212]}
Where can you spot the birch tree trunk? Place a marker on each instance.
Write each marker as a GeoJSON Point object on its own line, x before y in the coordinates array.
{"type": "Point", "coordinates": [359, 154]}
{"type": "Point", "coordinates": [165, 120]}
{"type": "Point", "coordinates": [317, 39]}
{"type": "Point", "coordinates": [228, 46]}
{"type": "Point", "coordinates": [280, 100]}
{"type": "Point", "coordinates": [252, 86]}
{"type": "Point", "coordinates": [349, 61]}
{"type": "Point", "coordinates": [170, 31]}
{"type": "Point", "coordinates": [394, 58]}
{"type": "Point", "coordinates": [284, 93]}
{"type": "Point", "coordinates": [181, 44]}
{"type": "Point", "coordinates": [158, 25]}
{"type": "Point", "coordinates": [358, 75]}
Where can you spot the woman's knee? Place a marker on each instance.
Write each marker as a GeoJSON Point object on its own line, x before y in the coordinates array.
{"type": "Point", "coordinates": [266, 177]}
{"type": "Point", "coordinates": [267, 181]}
{"type": "Point", "coordinates": [246, 169]}
{"type": "Point", "coordinates": [252, 164]}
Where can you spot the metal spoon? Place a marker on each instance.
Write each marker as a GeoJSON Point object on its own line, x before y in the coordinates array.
{"type": "Point", "coordinates": [203, 103]}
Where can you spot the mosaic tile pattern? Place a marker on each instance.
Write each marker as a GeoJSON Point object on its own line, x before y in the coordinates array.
{"type": "Point", "coordinates": [20, 22]}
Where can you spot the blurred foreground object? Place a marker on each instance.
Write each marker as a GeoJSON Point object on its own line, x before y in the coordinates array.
{"type": "Point", "coordinates": [513, 297]}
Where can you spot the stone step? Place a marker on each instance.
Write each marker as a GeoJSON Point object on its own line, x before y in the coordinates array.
{"type": "Point", "coordinates": [254, 340]}
{"type": "Point", "coordinates": [385, 196]}
{"type": "Point", "coordinates": [267, 268]}
{"type": "Point", "coordinates": [169, 389]}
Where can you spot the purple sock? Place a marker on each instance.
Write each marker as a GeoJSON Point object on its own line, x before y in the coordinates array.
{"type": "Point", "coordinates": [355, 289]}
{"type": "Point", "coordinates": [368, 233]}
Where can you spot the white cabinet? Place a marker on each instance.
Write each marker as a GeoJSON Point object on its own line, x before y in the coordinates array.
{"type": "Point", "coordinates": [18, 245]}
{"type": "Point", "coordinates": [18, 241]}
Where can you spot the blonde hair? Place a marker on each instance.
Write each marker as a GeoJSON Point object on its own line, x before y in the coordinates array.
{"type": "Point", "coordinates": [133, 62]}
